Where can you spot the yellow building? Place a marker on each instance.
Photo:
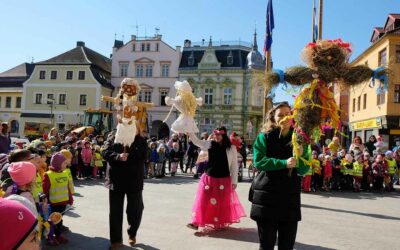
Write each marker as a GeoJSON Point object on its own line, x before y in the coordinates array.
{"type": "Point", "coordinates": [371, 112]}
{"type": "Point", "coordinates": [60, 89]}
{"type": "Point", "coordinates": [11, 82]}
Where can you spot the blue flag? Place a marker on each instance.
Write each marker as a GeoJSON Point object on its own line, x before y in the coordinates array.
{"type": "Point", "coordinates": [269, 27]}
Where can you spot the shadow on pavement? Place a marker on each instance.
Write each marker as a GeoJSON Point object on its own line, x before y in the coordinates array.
{"type": "Point", "coordinates": [377, 216]}
{"type": "Point", "coordinates": [353, 195]}
{"type": "Point", "coordinates": [82, 242]}
{"type": "Point", "coordinates": [90, 182]}
{"type": "Point", "coordinates": [239, 234]}
{"type": "Point", "coordinates": [302, 246]}
{"type": "Point", "coordinates": [71, 214]}
{"type": "Point", "coordinates": [178, 179]}
{"type": "Point", "coordinates": [144, 247]}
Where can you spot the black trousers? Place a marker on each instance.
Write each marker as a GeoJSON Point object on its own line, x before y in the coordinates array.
{"type": "Point", "coordinates": [268, 230]}
{"type": "Point", "coordinates": [134, 211]}
{"type": "Point", "coordinates": [74, 171]}
{"type": "Point", "coordinates": [191, 161]}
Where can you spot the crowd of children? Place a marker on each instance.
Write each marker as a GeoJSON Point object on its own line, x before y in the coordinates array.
{"type": "Point", "coordinates": [42, 174]}
{"type": "Point", "coordinates": [357, 169]}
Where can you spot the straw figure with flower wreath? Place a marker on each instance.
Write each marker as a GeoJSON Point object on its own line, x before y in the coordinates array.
{"type": "Point", "coordinates": [314, 107]}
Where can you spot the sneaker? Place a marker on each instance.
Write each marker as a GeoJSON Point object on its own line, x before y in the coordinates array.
{"type": "Point", "coordinates": [62, 239]}
{"type": "Point", "coordinates": [132, 240]}
{"type": "Point", "coordinates": [192, 226]}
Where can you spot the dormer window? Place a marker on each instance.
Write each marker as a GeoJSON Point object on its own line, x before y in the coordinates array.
{"type": "Point", "coordinates": [229, 59]}
{"type": "Point", "coordinates": [191, 59]}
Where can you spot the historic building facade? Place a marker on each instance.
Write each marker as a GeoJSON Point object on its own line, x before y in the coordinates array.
{"type": "Point", "coordinates": [61, 88]}
{"type": "Point", "coordinates": [11, 82]}
{"type": "Point", "coordinates": [222, 74]}
{"type": "Point", "coordinates": [373, 112]}
{"type": "Point", "coordinates": [154, 64]}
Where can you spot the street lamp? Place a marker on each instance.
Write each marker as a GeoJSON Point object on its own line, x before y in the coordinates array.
{"type": "Point", "coordinates": [51, 101]}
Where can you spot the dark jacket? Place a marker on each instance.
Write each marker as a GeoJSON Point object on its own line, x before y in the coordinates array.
{"type": "Point", "coordinates": [175, 156]}
{"type": "Point", "coordinates": [193, 150]}
{"type": "Point", "coordinates": [126, 176]}
{"type": "Point", "coordinates": [276, 196]}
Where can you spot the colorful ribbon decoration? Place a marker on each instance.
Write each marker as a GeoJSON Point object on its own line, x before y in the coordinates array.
{"type": "Point", "coordinates": [281, 77]}
{"type": "Point", "coordinates": [382, 78]}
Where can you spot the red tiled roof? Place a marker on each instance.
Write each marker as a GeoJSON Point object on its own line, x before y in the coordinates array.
{"type": "Point", "coordinates": [394, 16]}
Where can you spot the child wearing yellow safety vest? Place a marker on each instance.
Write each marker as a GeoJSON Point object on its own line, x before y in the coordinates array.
{"type": "Point", "coordinates": [358, 167]}
{"type": "Point", "coordinates": [98, 162]}
{"type": "Point", "coordinates": [317, 174]}
{"type": "Point", "coordinates": [347, 171]}
{"type": "Point", "coordinates": [37, 187]}
{"type": "Point", "coordinates": [56, 187]}
{"type": "Point", "coordinates": [391, 164]}
{"type": "Point", "coordinates": [67, 154]}
{"type": "Point", "coordinates": [308, 176]}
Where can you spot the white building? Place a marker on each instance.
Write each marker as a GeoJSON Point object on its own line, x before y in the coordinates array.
{"type": "Point", "coordinates": [154, 64]}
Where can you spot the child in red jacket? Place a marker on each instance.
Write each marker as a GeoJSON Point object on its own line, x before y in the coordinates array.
{"type": "Point", "coordinates": [57, 189]}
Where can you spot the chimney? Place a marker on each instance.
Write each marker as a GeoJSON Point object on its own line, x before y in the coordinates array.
{"type": "Point", "coordinates": [178, 49]}
{"type": "Point", "coordinates": [133, 37]}
{"type": "Point", "coordinates": [187, 43]}
{"type": "Point", "coordinates": [80, 44]}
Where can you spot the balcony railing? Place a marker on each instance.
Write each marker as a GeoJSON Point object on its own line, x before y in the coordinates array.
{"type": "Point", "coordinates": [226, 107]}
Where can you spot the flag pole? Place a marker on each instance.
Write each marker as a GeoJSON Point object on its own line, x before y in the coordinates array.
{"type": "Point", "coordinates": [321, 4]}
{"type": "Point", "coordinates": [313, 23]}
{"type": "Point", "coordinates": [266, 90]}
{"type": "Point", "coordinates": [267, 51]}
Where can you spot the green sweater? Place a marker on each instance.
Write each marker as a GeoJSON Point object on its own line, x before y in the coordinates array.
{"type": "Point", "coordinates": [262, 162]}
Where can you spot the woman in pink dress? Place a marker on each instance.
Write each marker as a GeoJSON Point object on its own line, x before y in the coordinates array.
{"type": "Point", "coordinates": [217, 204]}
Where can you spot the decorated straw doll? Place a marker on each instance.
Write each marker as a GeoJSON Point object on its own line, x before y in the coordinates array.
{"type": "Point", "coordinates": [126, 105]}
{"type": "Point", "coordinates": [315, 108]}
{"type": "Point", "coordinates": [186, 103]}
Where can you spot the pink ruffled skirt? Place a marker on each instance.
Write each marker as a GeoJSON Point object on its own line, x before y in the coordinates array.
{"type": "Point", "coordinates": [216, 204]}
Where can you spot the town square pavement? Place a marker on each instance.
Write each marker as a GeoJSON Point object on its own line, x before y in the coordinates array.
{"type": "Point", "coordinates": [341, 220]}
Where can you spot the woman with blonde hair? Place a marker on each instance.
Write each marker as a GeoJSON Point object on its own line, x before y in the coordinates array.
{"type": "Point", "coordinates": [275, 193]}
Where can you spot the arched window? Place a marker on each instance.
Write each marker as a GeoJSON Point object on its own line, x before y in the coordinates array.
{"type": "Point", "coordinates": [229, 59]}
{"type": "Point", "coordinates": [227, 125]}
{"type": "Point", "coordinates": [207, 126]}
{"type": "Point", "coordinates": [191, 59]}
{"type": "Point", "coordinates": [14, 127]}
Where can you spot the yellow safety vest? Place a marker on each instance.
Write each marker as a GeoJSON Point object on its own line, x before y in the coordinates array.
{"type": "Point", "coordinates": [70, 180]}
{"type": "Point", "coordinates": [37, 187]}
{"type": "Point", "coordinates": [358, 169]}
{"type": "Point", "coordinates": [316, 166]}
{"type": "Point", "coordinates": [59, 186]}
{"type": "Point", "coordinates": [345, 170]}
{"type": "Point", "coordinates": [391, 166]}
{"type": "Point", "coordinates": [98, 163]}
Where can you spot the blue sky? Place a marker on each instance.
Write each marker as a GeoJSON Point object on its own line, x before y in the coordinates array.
{"type": "Point", "coordinates": [42, 28]}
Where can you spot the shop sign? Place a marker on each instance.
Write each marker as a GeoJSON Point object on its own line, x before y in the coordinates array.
{"type": "Point", "coordinates": [371, 123]}
{"type": "Point", "coordinates": [395, 131]}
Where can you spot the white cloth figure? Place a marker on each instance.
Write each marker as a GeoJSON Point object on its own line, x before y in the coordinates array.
{"type": "Point", "coordinates": [125, 132]}
{"type": "Point", "coordinates": [186, 103]}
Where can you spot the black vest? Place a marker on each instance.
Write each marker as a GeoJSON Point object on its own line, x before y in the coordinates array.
{"type": "Point", "coordinates": [276, 195]}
